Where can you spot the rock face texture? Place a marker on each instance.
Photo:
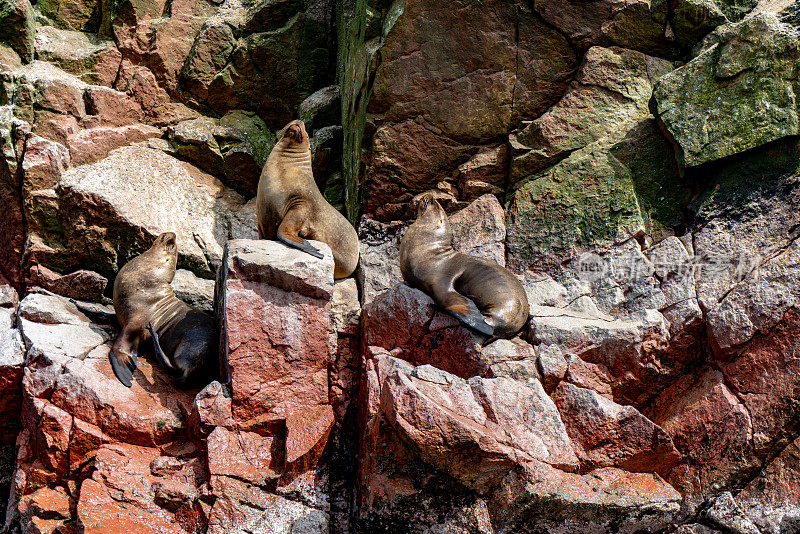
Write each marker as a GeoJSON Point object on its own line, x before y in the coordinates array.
{"type": "Point", "coordinates": [95, 456]}
{"type": "Point", "coordinates": [635, 163]}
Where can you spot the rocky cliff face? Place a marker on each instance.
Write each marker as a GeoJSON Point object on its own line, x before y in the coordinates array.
{"type": "Point", "coordinates": [636, 164]}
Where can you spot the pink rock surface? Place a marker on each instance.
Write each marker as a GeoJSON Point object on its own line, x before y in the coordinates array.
{"type": "Point", "coordinates": [274, 366]}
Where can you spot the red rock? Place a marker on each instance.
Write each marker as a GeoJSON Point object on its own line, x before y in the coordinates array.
{"type": "Point", "coordinates": [84, 443]}
{"type": "Point", "coordinates": [43, 163]}
{"type": "Point", "coordinates": [710, 427]}
{"type": "Point", "coordinates": [606, 434]}
{"type": "Point", "coordinates": [446, 419]}
{"type": "Point", "coordinates": [12, 357]}
{"type": "Point", "coordinates": [778, 482]}
{"type": "Point", "coordinates": [107, 107]}
{"type": "Point", "coordinates": [100, 513]}
{"type": "Point", "coordinates": [89, 146]}
{"type": "Point", "coordinates": [211, 408]}
{"type": "Point", "coordinates": [149, 413]}
{"type": "Point", "coordinates": [46, 503]}
{"type": "Point", "coordinates": [275, 367]}
{"type": "Point", "coordinates": [307, 434]}
{"type": "Point", "coordinates": [480, 229]}
{"type": "Point", "coordinates": [594, 502]}
{"type": "Point", "coordinates": [83, 285]}
{"type": "Point", "coordinates": [244, 455]}
{"type": "Point", "coordinates": [53, 431]}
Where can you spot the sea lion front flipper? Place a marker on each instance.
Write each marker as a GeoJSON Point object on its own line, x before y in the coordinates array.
{"type": "Point", "coordinates": [162, 358]}
{"type": "Point", "coordinates": [464, 310]}
{"type": "Point", "coordinates": [289, 236]}
{"type": "Point", "coordinates": [123, 355]}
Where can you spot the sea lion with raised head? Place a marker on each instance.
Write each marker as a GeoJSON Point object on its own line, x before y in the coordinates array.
{"type": "Point", "coordinates": [184, 338]}
{"type": "Point", "coordinates": [483, 295]}
{"type": "Point", "coordinates": [291, 209]}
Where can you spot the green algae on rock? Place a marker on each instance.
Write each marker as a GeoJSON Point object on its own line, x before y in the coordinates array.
{"type": "Point", "coordinates": [612, 189]}
{"type": "Point", "coordinates": [736, 95]}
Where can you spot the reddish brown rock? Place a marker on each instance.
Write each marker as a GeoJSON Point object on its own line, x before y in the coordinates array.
{"type": "Point", "coordinates": [606, 434]}
{"type": "Point", "coordinates": [245, 456]}
{"type": "Point", "coordinates": [275, 367]}
{"type": "Point", "coordinates": [83, 285]}
{"type": "Point", "coordinates": [710, 427]}
{"type": "Point", "coordinates": [480, 230]}
{"type": "Point", "coordinates": [89, 146]}
{"type": "Point", "coordinates": [307, 433]}
{"type": "Point", "coordinates": [446, 419]}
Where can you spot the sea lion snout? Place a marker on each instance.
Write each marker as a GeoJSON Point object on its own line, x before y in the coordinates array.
{"type": "Point", "coordinates": [167, 239]}
{"type": "Point", "coordinates": [295, 131]}
{"type": "Point", "coordinates": [430, 209]}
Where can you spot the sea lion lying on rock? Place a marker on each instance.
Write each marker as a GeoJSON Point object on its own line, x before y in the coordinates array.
{"type": "Point", "coordinates": [184, 339]}
{"type": "Point", "coordinates": [483, 295]}
{"type": "Point", "coordinates": [291, 209]}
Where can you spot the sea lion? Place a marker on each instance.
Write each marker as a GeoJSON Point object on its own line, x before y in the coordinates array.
{"type": "Point", "coordinates": [466, 287]}
{"type": "Point", "coordinates": [184, 339]}
{"type": "Point", "coordinates": [291, 209]}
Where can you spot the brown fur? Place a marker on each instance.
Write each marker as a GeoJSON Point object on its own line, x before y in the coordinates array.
{"type": "Point", "coordinates": [429, 262]}
{"type": "Point", "coordinates": [290, 204]}
{"type": "Point", "coordinates": [144, 298]}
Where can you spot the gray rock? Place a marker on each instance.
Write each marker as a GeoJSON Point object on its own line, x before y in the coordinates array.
{"type": "Point", "coordinates": [144, 192]}
{"type": "Point", "coordinates": [194, 291]}
{"type": "Point", "coordinates": [725, 100]}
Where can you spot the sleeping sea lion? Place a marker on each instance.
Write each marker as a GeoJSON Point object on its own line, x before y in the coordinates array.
{"type": "Point", "coordinates": [184, 339]}
{"type": "Point", "coordinates": [483, 295]}
{"type": "Point", "coordinates": [291, 209]}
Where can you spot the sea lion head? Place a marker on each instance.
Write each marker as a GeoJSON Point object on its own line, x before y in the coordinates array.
{"type": "Point", "coordinates": [164, 255]}
{"type": "Point", "coordinates": [294, 134]}
{"type": "Point", "coordinates": [431, 216]}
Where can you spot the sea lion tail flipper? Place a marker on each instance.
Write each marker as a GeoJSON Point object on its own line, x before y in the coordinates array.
{"type": "Point", "coordinates": [468, 313]}
{"type": "Point", "coordinates": [300, 244]}
{"type": "Point", "coordinates": [162, 358]}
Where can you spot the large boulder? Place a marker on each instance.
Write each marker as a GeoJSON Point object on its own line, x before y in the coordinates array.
{"type": "Point", "coordinates": [276, 369]}
{"type": "Point", "coordinates": [92, 59]}
{"type": "Point", "coordinates": [500, 62]}
{"type": "Point", "coordinates": [610, 190]}
{"type": "Point", "coordinates": [18, 26]}
{"type": "Point", "coordinates": [736, 95]}
{"type": "Point", "coordinates": [612, 87]}
{"type": "Point", "coordinates": [112, 210]}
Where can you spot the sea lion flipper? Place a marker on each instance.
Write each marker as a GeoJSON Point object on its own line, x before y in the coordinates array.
{"type": "Point", "coordinates": [476, 320]}
{"type": "Point", "coordinates": [302, 244]}
{"type": "Point", "coordinates": [466, 311]}
{"type": "Point", "coordinates": [162, 358]}
{"type": "Point", "coordinates": [123, 357]}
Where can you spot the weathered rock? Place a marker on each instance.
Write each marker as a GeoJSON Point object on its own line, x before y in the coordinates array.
{"type": "Point", "coordinates": [275, 369]}
{"type": "Point", "coordinates": [12, 356]}
{"type": "Point", "coordinates": [480, 230]}
{"type": "Point", "coordinates": [606, 434]}
{"type": "Point", "coordinates": [612, 88]}
{"type": "Point", "coordinates": [322, 108]}
{"type": "Point", "coordinates": [84, 285]}
{"type": "Point", "coordinates": [297, 48]}
{"type": "Point", "coordinates": [745, 85]}
{"type": "Point", "coordinates": [91, 58]}
{"type": "Point", "coordinates": [632, 24]}
{"type": "Point", "coordinates": [379, 246]}
{"type": "Point", "coordinates": [710, 427]}
{"type": "Point", "coordinates": [102, 202]}
{"type": "Point", "coordinates": [607, 191]}
{"type": "Point", "coordinates": [18, 27]}
{"type": "Point", "coordinates": [601, 500]}
{"type": "Point", "coordinates": [196, 292]}
{"type": "Point", "coordinates": [90, 146]}
{"type": "Point", "coordinates": [496, 74]}
{"type": "Point", "coordinates": [233, 148]}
